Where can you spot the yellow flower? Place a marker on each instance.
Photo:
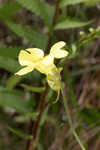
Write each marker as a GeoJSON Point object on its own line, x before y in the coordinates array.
{"type": "Point", "coordinates": [54, 79]}
{"type": "Point", "coordinates": [33, 58]}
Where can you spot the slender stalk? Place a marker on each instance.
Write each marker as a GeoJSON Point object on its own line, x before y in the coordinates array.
{"type": "Point", "coordinates": [35, 126]}
{"type": "Point", "coordinates": [69, 119]}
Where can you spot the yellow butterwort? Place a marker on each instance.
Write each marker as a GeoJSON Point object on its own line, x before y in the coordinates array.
{"type": "Point", "coordinates": [33, 58]}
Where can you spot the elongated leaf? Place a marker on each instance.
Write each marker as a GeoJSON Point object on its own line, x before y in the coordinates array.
{"type": "Point", "coordinates": [71, 23]}
{"type": "Point", "coordinates": [9, 64]}
{"type": "Point", "coordinates": [70, 2]}
{"type": "Point", "coordinates": [41, 9]}
{"type": "Point", "coordinates": [19, 133]}
{"type": "Point", "coordinates": [92, 3]}
{"type": "Point", "coordinates": [28, 116]}
{"type": "Point", "coordinates": [34, 37]}
{"type": "Point", "coordinates": [33, 89]}
{"type": "Point", "coordinates": [12, 99]}
{"type": "Point", "coordinates": [12, 52]}
{"type": "Point", "coordinates": [12, 81]}
{"type": "Point", "coordinates": [8, 9]}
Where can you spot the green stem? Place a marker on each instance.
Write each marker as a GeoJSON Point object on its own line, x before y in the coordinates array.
{"type": "Point", "coordinates": [69, 119]}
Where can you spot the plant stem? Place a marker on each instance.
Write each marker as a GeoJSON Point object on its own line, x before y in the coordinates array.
{"type": "Point", "coordinates": [69, 119]}
{"type": "Point", "coordinates": [35, 126]}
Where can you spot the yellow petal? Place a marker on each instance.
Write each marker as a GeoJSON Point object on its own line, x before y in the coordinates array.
{"type": "Point", "coordinates": [48, 60]}
{"type": "Point", "coordinates": [54, 82]}
{"type": "Point", "coordinates": [24, 71]}
{"type": "Point", "coordinates": [25, 58]}
{"type": "Point", "coordinates": [44, 69]}
{"type": "Point", "coordinates": [57, 51]}
{"type": "Point", "coordinates": [60, 53]}
{"type": "Point", "coordinates": [46, 64]}
{"type": "Point", "coordinates": [54, 79]}
{"type": "Point", "coordinates": [58, 45]}
{"type": "Point", "coordinates": [36, 53]}
{"type": "Point", "coordinates": [60, 69]}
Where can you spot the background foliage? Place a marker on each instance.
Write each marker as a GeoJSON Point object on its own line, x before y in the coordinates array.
{"type": "Point", "coordinates": [41, 23]}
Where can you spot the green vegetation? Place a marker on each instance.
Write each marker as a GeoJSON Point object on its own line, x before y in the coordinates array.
{"type": "Point", "coordinates": [32, 115]}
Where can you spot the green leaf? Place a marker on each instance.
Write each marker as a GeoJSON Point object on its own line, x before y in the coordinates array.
{"type": "Point", "coordinates": [19, 133]}
{"type": "Point", "coordinates": [40, 8]}
{"type": "Point", "coordinates": [12, 52]}
{"type": "Point", "coordinates": [33, 89]}
{"type": "Point", "coordinates": [33, 36]}
{"type": "Point", "coordinates": [9, 64]}
{"type": "Point", "coordinates": [28, 116]}
{"type": "Point", "coordinates": [92, 3]}
{"type": "Point", "coordinates": [90, 115]}
{"type": "Point", "coordinates": [13, 99]}
{"type": "Point", "coordinates": [71, 23]}
{"type": "Point", "coordinates": [70, 2]}
{"type": "Point", "coordinates": [8, 9]}
{"type": "Point", "coordinates": [12, 81]}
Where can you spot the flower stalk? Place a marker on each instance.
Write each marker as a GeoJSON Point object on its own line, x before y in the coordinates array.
{"type": "Point", "coordinates": [69, 119]}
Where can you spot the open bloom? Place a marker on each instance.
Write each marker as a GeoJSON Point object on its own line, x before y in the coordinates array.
{"type": "Point", "coordinates": [33, 58]}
